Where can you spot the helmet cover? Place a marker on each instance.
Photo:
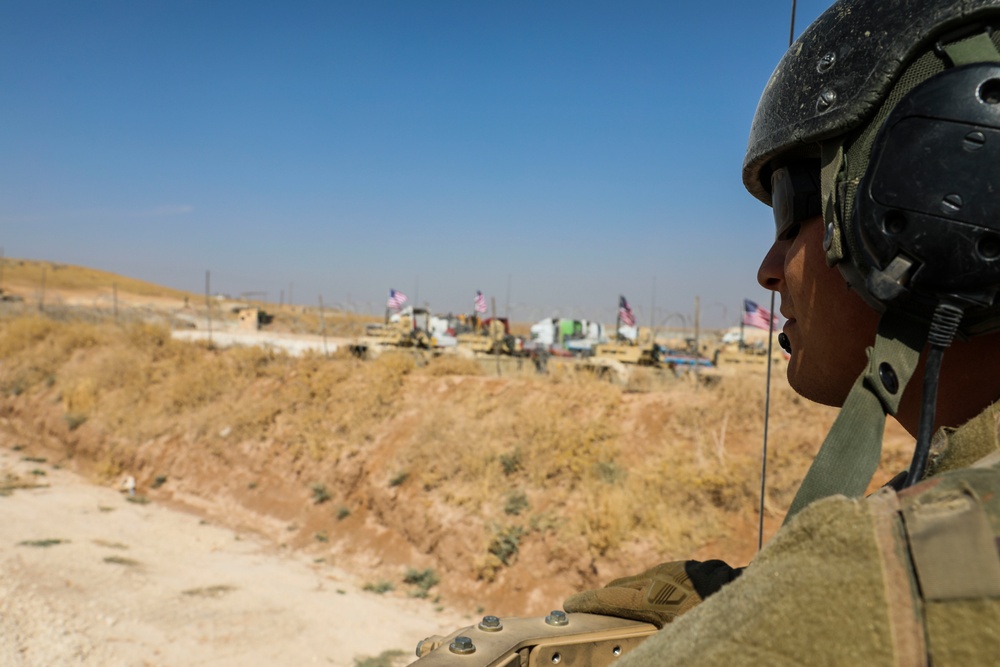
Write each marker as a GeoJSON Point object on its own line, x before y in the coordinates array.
{"type": "Point", "coordinates": [839, 71]}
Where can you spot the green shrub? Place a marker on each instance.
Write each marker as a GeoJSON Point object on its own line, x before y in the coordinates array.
{"type": "Point", "coordinates": [506, 542]}
{"type": "Point", "coordinates": [423, 580]}
{"type": "Point", "coordinates": [380, 587]}
{"type": "Point", "coordinates": [320, 494]}
{"type": "Point", "coordinates": [610, 472]}
{"type": "Point", "coordinates": [74, 420]}
{"type": "Point", "coordinates": [511, 463]}
{"type": "Point", "coordinates": [50, 542]}
{"type": "Point", "coordinates": [517, 502]}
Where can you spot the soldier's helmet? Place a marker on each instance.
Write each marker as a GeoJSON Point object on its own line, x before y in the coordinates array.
{"type": "Point", "coordinates": [884, 117]}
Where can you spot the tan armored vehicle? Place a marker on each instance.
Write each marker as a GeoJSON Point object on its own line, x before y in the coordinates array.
{"type": "Point", "coordinates": [488, 336]}
{"type": "Point", "coordinates": [410, 330]}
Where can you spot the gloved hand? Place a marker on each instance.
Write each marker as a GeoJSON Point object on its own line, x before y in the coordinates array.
{"type": "Point", "coordinates": [659, 594]}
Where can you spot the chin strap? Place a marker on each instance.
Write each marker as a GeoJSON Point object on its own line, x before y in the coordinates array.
{"type": "Point", "coordinates": [851, 451]}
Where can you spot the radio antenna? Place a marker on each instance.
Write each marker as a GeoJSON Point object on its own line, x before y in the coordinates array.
{"type": "Point", "coordinates": [767, 413]}
{"type": "Point", "coordinates": [767, 390]}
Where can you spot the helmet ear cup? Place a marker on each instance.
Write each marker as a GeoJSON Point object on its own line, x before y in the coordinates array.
{"type": "Point", "coordinates": [926, 214]}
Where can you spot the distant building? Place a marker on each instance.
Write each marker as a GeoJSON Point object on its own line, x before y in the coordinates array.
{"type": "Point", "coordinates": [249, 319]}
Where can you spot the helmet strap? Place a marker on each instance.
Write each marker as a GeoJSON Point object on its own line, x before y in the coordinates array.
{"type": "Point", "coordinates": [976, 49]}
{"type": "Point", "coordinates": [850, 453]}
{"type": "Point", "coordinates": [831, 165]}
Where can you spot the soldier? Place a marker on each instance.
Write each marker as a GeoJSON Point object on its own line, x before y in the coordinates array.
{"type": "Point", "coordinates": [877, 144]}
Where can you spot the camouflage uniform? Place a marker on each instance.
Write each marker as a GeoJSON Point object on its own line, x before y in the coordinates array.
{"type": "Point", "coordinates": [895, 579]}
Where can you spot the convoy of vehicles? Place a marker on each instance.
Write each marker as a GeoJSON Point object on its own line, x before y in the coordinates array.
{"type": "Point", "coordinates": [584, 342]}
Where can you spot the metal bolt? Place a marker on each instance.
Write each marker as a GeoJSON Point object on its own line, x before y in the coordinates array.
{"type": "Point", "coordinates": [826, 62]}
{"type": "Point", "coordinates": [989, 247]}
{"type": "Point", "coordinates": [826, 100]}
{"type": "Point", "coordinates": [557, 617]}
{"type": "Point", "coordinates": [887, 375]}
{"type": "Point", "coordinates": [895, 222]}
{"type": "Point", "coordinates": [462, 646]}
{"type": "Point", "coordinates": [490, 624]}
{"type": "Point", "coordinates": [952, 203]}
{"type": "Point", "coordinates": [828, 237]}
{"type": "Point", "coordinates": [616, 651]}
{"type": "Point", "coordinates": [974, 141]}
{"type": "Point", "coordinates": [556, 658]}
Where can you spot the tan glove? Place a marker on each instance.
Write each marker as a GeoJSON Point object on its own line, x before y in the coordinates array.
{"type": "Point", "coordinates": [658, 595]}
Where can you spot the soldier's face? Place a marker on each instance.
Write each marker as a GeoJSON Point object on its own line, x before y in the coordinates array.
{"type": "Point", "coordinates": [828, 326]}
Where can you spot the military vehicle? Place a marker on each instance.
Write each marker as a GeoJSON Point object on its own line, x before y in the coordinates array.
{"type": "Point", "coordinates": [489, 336]}
{"type": "Point", "coordinates": [409, 329]}
{"type": "Point", "coordinates": [741, 356]}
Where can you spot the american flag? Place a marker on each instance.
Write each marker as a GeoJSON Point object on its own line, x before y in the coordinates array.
{"type": "Point", "coordinates": [755, 316]}
{"type": "Point", "coordinates": [396, 299]}
{"type": "Point", "coordinates": [480, 302]}
{"type": "Point", "coordinates": [625, 312]}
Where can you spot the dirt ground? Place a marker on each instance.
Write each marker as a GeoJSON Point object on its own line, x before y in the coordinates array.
{"type": "Point", "coordinates": [88, 578]}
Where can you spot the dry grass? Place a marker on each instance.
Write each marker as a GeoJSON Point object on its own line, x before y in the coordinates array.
{"type": "Point", "coordinates": [662, 466]}
{"type": "Point", "coordinates": [29, 273]}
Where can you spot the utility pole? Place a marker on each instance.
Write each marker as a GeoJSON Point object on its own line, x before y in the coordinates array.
{"type": "Point", "coordinates": [208, 303]}
{"type": "Point", "coordinates": [697, 344]}
{"type": "Point", "coordinates": [322, 326]}
{"type": "Point", "coordinates": [41, 296]}
{"type": "Point", "coordinates": [494, 323]}
{"type": "Point", "coordinates": [652, 319]}
{"type": "Point", "coordinates": [506, 308]}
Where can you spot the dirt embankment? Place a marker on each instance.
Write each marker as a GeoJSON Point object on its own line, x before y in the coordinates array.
{"type": "Point", "coordinates": [514, 491]}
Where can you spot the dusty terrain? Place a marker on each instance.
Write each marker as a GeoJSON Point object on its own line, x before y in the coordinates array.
{"type": "Point", "coordinates": [88, 578]}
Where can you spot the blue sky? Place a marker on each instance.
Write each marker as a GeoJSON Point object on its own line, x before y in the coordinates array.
{"type": "Point", "coordinates": [571, 151]}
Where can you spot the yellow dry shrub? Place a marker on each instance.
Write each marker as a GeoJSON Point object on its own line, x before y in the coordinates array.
{"type": "Point", "coordinates": [71, 336]}
{"type": "Point", "coordinates": [34, 348]}
{"type": "Point", "coordinates": [452, 364]}
{"type": "Point", "coordinates": [250, 363]}
{"type": "Point", "coordinates": [81, 396]}
{"type": "Point", "coordinates": [565, 434]}
{"type": "Point", "coordinates": [331, 403]}
{"type": "Point", "coordinates": [22, 333]}
{"type": "Point", "coordinates": [608, 519]}
{"type": "Point", "coordinates": [147, 336]}
{"type": "Point", "coordinates": [394, 365]}
{"type": "Point", "coordinates": [120, 367]}
{"type": "Point", "coordinates": [722, 489]}
{"type": "Point", "coordinates": [196, 380]}
{"type": "Point", "coordinates": [452, 453]}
